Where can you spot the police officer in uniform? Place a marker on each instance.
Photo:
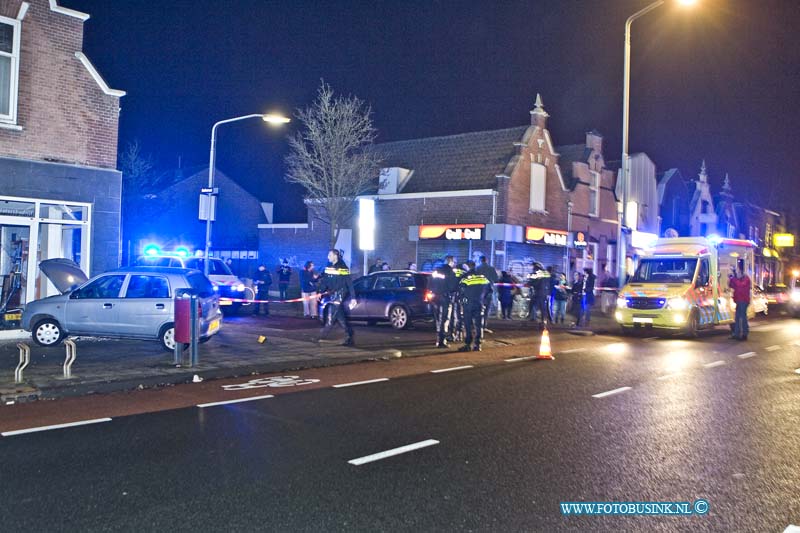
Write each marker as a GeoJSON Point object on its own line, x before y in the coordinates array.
{"type": "Point", "coordinates": [443, 285]}
{"type": "Point", "coordinates": [541, 287]}
{"type": "Point", "coordinates": [456, 316]}
{"type": "Point", "coordinates": [474, 288]}
{"type": "Point", "coordinates": [336, 280]}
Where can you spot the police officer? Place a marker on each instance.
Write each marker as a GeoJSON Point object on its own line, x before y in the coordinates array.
{"type": "Point", "coordinates": [262, 280]}
{"type": "Point", "coordinates": [456, 316]}
{"type": "Point", "coordinates": [336, 281]}
{"type": "Point", "coordinates": [443, 285]}
{"type": "Point", "coordinates": [474, 289]}
{"type": "Point", "coordinates": [539, 281]}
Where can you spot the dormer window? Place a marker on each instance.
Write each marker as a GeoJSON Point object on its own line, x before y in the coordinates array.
{"type": "Point", "coordinates": [9, 69]}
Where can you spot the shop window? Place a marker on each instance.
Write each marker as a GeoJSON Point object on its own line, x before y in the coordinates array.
{"type": "Point", "coordinates": [9, 68]}
{"type": "Point", "coordinates": [538, 187]}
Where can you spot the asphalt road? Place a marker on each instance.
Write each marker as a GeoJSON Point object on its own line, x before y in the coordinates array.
{"type": "Point", "coordinates": [711, 419]}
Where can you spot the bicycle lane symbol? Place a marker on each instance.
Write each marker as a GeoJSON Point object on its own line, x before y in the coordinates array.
{"type": "Point", "coordinates": [276, 381]}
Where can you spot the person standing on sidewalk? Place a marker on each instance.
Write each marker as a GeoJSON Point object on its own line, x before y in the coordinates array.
{"type": "Point", "coordinates": [505, 294]}
{"type": "Point", "coordinates": [560, 297]}
{"type": "Point", "coordinates": [490, 273]}
{"type": "Point", "coordinates": [588, 292]}
{"type": "Point", "coordinates": [308, 289]}
{"type": "Point", "coordinates": [741, 286]}
{"type": "Point", "coordinates": [474, 288]}
{"type": "Point", "coordinates": [577, 297]}
{"type": "Point", "coordinates": [263, 280]}
{"type": "Point", "coordinates": [284, 275]}
{"type": "Point", "coordinates": [336, 280]}
{"type": "Point", "coordinates": [443, 284]}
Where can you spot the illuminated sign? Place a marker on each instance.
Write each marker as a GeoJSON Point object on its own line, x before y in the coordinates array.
{"type": "Point", "coordinates": [783, 240]}
{"type": "Point", "coordinates": [579, 240]}
{"type": "Point", "coordinates": [452, 232]}
{"type": "Point", "coordinates": [552, 237]}
{"type": "Point", "coordinates": [366, 224]}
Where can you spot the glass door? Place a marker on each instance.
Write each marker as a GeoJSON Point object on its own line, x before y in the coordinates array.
{"type": "Point", "coordinates": [14, 252]}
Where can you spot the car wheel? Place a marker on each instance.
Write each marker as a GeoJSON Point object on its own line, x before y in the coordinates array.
{"type": "Point", "coordinates": [47, 332]}
{"type": "Point", "coordinates": [692, 326]}
{"type": "Point", "coordinates": [167, 338]}
{"type": "Point", "coordinates": [398, 316]}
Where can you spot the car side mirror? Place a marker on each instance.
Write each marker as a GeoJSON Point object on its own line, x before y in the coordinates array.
{"type": "Point", "coordinates": [75, 294]}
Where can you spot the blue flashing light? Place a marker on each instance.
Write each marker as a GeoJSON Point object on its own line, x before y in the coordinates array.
{"type": "Point", "coordinates": [152, 250]}
{"type": "Point", "coordinates": [714, 239]}
{"type": "Point", "coordinates": [182, 251]}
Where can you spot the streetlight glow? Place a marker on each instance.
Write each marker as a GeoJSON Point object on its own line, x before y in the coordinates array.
{"type": "Point", "coordinates": [687, 3]}
{"type": "Point", "coordinates": [272, 118]}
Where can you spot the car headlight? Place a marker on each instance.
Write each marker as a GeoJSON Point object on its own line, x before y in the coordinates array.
{"type": "Point", "coordinates": [622, 303]}
{"type": "Point", "coordinates": [677, 304]}
{"type": "Point", "coordinates": [795, 297]}
{"type": "Point", "coordinates": [240, 287]}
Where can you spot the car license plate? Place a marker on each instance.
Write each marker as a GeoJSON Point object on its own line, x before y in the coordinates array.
{"type": "Point", "coordinates": [642, 320]}
{"type": "Point", "coordinates": [13, 316]}
{"type": "Point", "coordinates": [213, 327]}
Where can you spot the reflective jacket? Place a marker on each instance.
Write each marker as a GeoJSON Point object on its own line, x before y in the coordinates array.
{"type": "Point", "coordinates": [443, 281]}
{"type": "Point", "coordinates": [475, 288]}
{"type": "Point", "coordinates": [336, 280]}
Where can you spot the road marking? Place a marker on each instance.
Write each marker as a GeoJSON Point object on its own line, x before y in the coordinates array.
{"type": "Point", "coordinates": [341, 385]}
{"type": "Point", "coordinates": [516, 359]}
{"type": "Point", "coordinates": [773, 348]}
{"type": "Point", "coordinates": [792, 529]}
{"type": "Point", "coordinates": [572, 350]}
{"type": "Point", "coordinates": [746, 355]}
{"type": "Point", "coordinates": [57, 426]}
{"type": "Point", "coordinates": [240, 400]}
{"type": "Point", "coordinates": [797, 370]}
{"type": "Point", "coordinates": [273, 381]}
{"type": "Point", "coordinates": [668, 376]}
{"type": "Point", "coordinates": [392, 452]}
{"type": "Point", "coordinates": [451, 369]}
{"type": "Point", "coordinates": [715, 363]}
{"type": "Point", "coordinates": [609, 393]}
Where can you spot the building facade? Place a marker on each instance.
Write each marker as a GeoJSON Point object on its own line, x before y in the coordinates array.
{"type": "Point", "coordinates": [673, 202]}
{"type": "Point", "coordinates": [60, 191]}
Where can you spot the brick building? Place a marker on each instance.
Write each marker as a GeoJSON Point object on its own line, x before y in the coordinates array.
{"type": "Point", "coordinates": [59, 188]}
{"type": "Point", "coordinates": [508, 194]}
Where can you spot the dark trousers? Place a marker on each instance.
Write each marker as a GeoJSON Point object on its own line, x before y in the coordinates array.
{"type": "Point", "coordinates": [262, 294]}
{"type": "Point", "coordinates": [577, 310]}
{"type": "Point", "coordinates": [456, 317]}
{"type": "Point", "coordinates": [505, 307]}
{"type": "Point", "coordinates": [587, 309]}
{"type": "Point", "coordinates": [441, 316]}
{"type": "Point", "coordinates": [338, 316]}
{"type": "Point", "coordinates": [543, 307]}
{"type": "Point", "coordinates": [740, 326]}
{"type": "Point", "coordinates": [282, 288]}
{"type": "Point", "coordinates": [473, 320]}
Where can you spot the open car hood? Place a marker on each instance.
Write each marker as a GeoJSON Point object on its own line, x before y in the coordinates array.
{"type": "Point", "coordinates": [64, 273]}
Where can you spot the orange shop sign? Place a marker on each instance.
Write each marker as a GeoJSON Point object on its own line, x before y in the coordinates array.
{"type": "Point", "coordinates": [552, 237]}
{"type": "Point", "coordinates": [452, 232]}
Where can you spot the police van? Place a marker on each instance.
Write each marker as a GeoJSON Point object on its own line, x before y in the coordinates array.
{"type": "Point", "coordinates": [682, 284]}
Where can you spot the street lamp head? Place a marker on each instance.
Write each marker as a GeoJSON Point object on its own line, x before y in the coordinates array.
{"type": "Point", "coordinates": [272, 118]}
{"type": "Point", "coordinates": [687, 3]}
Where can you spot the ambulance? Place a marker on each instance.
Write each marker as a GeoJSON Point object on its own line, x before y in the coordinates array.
{"type": "Point", "coordinates": [682, 284]}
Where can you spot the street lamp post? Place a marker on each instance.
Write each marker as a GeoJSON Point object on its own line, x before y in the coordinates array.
{"type": "Point", "coordinates": [269, 118]}
{"type": "Point", "coordinates": [622, 233]}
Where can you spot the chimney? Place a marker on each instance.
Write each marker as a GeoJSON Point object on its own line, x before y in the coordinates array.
{"type": "Point", "coordinates": [538, 114]}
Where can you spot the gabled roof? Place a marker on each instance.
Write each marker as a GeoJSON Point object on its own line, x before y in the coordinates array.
{"type": "Point", "coordinates": [466, 161]}
{"type": "Point", "coordinates": [664, 179]}
{"type": "Point", "coordinates": [568, 154]}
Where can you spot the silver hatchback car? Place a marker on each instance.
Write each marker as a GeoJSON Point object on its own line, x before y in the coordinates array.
{"type": "Point", "coordinates": [134, 302]}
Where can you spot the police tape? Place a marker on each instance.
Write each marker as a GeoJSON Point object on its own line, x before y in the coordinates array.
{"type": "Point", "coordinates": [255, 301]}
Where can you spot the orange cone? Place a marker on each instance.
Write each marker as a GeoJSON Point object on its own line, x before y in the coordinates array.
{"type": "Point", "coordinates": [544, 347]}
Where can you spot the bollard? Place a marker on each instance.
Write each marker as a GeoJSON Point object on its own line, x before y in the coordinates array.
{"type": "Point", "coordinates": [72, 352]}
{"type": "Point", "coordinates": [24, 360]}
{"type": "Point", "coordinates": [194, 330]}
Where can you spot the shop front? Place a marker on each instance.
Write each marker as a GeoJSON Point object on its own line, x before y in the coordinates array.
{"type": "Point", "coordinates": [541, 245]}
{"type": "Point", "coordinates": [32, 230]}
{"type": "Point", "coordinates": [436, 241]}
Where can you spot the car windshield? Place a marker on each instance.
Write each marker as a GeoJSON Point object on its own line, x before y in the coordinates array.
{"type": "Point", "coordinates": [201, 285]}
{"type": "Point", "coordinates": [657, 270]}
{"type": "Point", "coordinates": [215, 268]}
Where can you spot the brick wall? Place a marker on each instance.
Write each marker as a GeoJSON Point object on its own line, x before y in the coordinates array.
{"type": "Point", "coordinates": [64, 114]}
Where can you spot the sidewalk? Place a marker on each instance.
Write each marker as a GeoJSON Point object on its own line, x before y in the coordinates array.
{"type": "Point", "coordinates": [106, 365]}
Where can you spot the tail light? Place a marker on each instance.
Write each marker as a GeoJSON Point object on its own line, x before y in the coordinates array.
{"type": "Point", "coordinates": [428, 296]}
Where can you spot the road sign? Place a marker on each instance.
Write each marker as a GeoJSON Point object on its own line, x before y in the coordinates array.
{"type": "Point", "coordinates": [209, 190]}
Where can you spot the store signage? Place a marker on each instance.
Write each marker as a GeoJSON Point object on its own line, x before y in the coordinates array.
{"type": "Point", "coordinates": [578, 239]}
{"type": "Point", "coordinates": [553, 237]}
{"type": "Point", "coordinates": [452, 232]}
{"type": "Point", "coordinates": [783, 240]}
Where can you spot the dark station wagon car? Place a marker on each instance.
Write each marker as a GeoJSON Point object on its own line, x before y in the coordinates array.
{"type": "Point", "coordinates": [396, 296]}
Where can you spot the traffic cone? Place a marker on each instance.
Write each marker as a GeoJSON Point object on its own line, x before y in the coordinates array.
{"type": "Point", "coordinates": [544, 347]}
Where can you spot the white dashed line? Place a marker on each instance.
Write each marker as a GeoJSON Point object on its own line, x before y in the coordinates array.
{"type": "Point", "coordinates": [669, 376]}
{"type": "Point", "coordinates": [773, 348]}
{"type": "Point", "coordinates": [609, 393]}
{"type": "Point", "coordinates": [57, 426]}
{"type": "Point", "coordinates": [451, 369]}
{"type": "Point", "coordinates": [390, 453]}
{"type": "Point", "coordinates": [342, 385]}
{"type": "Point", "coordinates": [746, 355]}
{"type": "Point", "coordinates": [240, 400]}
{"type": "Point", "coordinates": [517, 359]}
{"type": "Point", "coordinates": [715, 363]}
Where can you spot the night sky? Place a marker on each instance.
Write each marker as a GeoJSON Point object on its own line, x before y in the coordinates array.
{"type": "Point", "coordinates": [717, 82]}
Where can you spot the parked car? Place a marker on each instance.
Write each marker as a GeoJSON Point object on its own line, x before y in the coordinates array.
{"type": "Point", "coordinates": [397, 296]}
{"type": "Point", "coordinates": [777, 295]}
{"type": "Point", "coordinates": [133, 302]}
{"type": "Point", "coordinates": [794, 298]}
{"type": "Point", "coordinates": [760, 302]}
{"type": "Point", "coordinates": [227, 283]}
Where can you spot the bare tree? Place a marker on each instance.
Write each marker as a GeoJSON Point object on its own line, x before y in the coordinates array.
{"type": "Point", "coordinates": [137, 170]}
{"type": "Point", "coordinates": [333, 156]}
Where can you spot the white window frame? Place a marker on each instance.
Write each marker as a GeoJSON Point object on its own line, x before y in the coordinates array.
{"type": "Point", "coordinates": [594, 201]}
{"type": "Point", "coordinates": [538, 188]}
{"type": "Point", "coordinates": [11, 117]}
